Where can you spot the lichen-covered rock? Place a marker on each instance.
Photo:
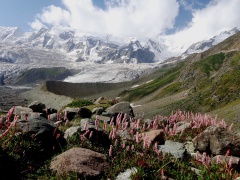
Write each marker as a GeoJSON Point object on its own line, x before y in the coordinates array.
{"type": "Point", "coordinates": [174, 148]}
{"type": "Point", "coordinates": [85, 162]}
{"type": "Point", "coordinates": [154, 136]}
{"type": "Point", "coordinates": [217, 140]}
{"type": "Point", "coordinates": [72, 131]}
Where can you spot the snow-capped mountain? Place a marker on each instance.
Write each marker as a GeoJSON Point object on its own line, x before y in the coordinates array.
{"type": "Point", "coordinates": [207, 44]}
{"type": "Point", "coordinates": [65, 47]}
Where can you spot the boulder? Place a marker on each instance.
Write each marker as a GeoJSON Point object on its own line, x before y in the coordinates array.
{"type": "Point", "coordinates": [21, 111]}
{"type": "Point", "coordinates": [72, 131]}
{"type": "Point", "coordinates": [182, 127]}
{"type": "Point", "coordinates": [44, 133]}
{"type": "Point", "coordinates": [85, 113]}
{"type": "Point", "coordinates": [98, 101]}
{"type": "Point", "coordinates": [154, 136]}
{"type": "Point", "coordinates": [98, 111]}
{"type": "Point", "coordinates": [84, 162]}
{"type": "Point", "coordinates": [189, 147]}
{"type": "Point", "coordinates": [98, 135]}
{"type": "Point", "coordinates": [174, 148]}
{"type": "Point", "coordinates": [53, 117]}
{"type": "Point", "coordinates": [122, 107]}
{"type": "Point", "coordinates": [90, 125]}
{"type": "Point", "coordinates": [125, 135]}
{"type": "Point", "coordinates": [71, 112]}
{"type": "Point", "coordinates": [37, 106]}
{"type": "Point", "coordinates": [217, 140]}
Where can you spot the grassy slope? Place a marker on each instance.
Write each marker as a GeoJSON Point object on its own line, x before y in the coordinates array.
{"type": "Point", "coordinates": [206, 82]}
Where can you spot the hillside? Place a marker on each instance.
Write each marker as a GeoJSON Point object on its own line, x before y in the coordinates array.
{"type": "Point", "coordinates": [204, 82]}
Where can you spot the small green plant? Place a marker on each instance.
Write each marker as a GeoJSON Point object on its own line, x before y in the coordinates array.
{"type": "Point", "coordinates": [80, 103]}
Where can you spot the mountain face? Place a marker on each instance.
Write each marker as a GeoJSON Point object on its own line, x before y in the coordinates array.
{"type": "Point", "coordinates": [207, 44]}
{"type": "Point", "coordinates": [64, 47]}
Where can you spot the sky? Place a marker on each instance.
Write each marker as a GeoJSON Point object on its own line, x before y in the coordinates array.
{"type": "Point", "coordinates": [181, 19]}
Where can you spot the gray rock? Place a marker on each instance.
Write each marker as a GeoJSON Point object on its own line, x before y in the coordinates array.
{"type": "Point", "coordinates": [189, 147]}
{"type": "Point", "coordinates": [53, 117]}
{"type": "Point", "coordinates": [217, 140]}
{"type": "Point", "coordinates": [122, 107]}
{"type": "Point", "coordinates": [90, 124]}
{"type": "Point", "coordinates": [99, 100]}
{"type": "Point", "coordinates": [19, 110]}
{"type": "Point", "coordinates": [125, 135]}
{"type": "Point", "coordinates": [97, 110]}
{"type": "Point", "coordinates": [183, 127]}
{"type": "Point", "coordinates": [72, 131]}
{"type": "Point", "coordinates": [126, 175]}
{"type": "Point", "coordinates": [225, 159]}
{"type": "Point", "coordinates": [85, 162]}
{"type": "Point", "coordinates": [174, 148]}
{"type": "Point", "coordinates": [43, 132]}
{"type": "Point", "coordinates": [71, 112]}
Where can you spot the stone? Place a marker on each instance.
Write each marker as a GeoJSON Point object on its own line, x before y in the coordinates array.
{"type": "Point", "coordinates": [183, 127]}
{"type": "Point", "coordinates": [84, 162]}
{"type": "Point", "coordinates": [85, 113]}
{"type": "Point", "coordinates": [154, 136]}
{"type": "Point", "coordinates": [98, 101]}
{"type": "Point", "coordinates": [37, 106]}
{"type": "Point", "coordinates": [72, 131]}
{"type": "Point", "coordinates": [126, 175]}
{"type": "Point", "coordinates": [122, 107]}
{"type": "Point", "coordinates": [71, 112]}
{"type": "Point", "coordinates": [97, 110]}
{"type": "Point", "coordinates": [125, 135]}
{"type": "Point", "coordinates": [44, 133]}
{"type": "Point", "coordinates": [217, 140]}
{"type": "Point", "coordinates": [90, 124]}
{"type": "Point", "coordinates": [53, 117]}
{"type": "Point", "coordinates": [225, 159]}
{"type": "Point", "coordinates": [19, 110]}
{"type": "Point", "coordinates": [98, 135]}
{"type": "Point", "coordinates": [189, 147]}
{"type": "Point", "coordinates": [174, 148]}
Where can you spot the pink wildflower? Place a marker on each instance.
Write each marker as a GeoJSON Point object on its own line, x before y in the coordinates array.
{"type": "Point", "coordinates": [218, 159]}
{"type": "Point", "coordinates": [91, 134]}
{"type": "Point", "coordinates": [137, 137]}
{"type": "Point", "coordinates": [227, 153]}
{"type": "Point", "coordinates": [116, 142]}
{"type": "Point", "coordinates": [110, 150]}
{"type": "Point", "coordinates": [132, 147]}
{"type": "Point", "coordinates": [85, 126]}
{"type": "Point", "coordinates": [105, 125]}
{"type": "Point", "coordinates": [230, 162]}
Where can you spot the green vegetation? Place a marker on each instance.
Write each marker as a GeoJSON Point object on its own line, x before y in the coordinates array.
{"type": "Point", "coordinates": [211, 63]}
{"type": "Point", "coordinates": [168, 77]}
{"type": "Point", "coordinates": [171, 89]}
{"type": "Point", "coordinates": [80, 103]}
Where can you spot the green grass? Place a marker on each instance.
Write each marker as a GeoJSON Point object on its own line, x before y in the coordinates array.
{"type": "Point", "coordinates": [168, 77]}
{"type": "Point", "coordinates": [79, 103]}
{"type": "Point", "coordinates": [171, 89]}
{"type": "Point", "coordinates": [211, 63]}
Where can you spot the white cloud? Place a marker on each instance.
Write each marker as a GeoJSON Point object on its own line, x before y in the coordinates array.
{"type": "Point", "coordinates": [141, 18]}
{"type": "Point", "coordinates": [216, 17]}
